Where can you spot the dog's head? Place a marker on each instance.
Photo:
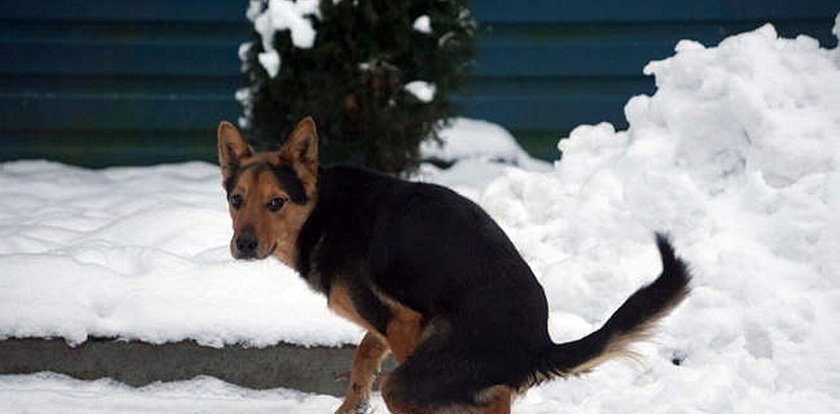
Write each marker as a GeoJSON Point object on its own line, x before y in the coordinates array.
{"type": "Point", "coordinates": [270, 194]}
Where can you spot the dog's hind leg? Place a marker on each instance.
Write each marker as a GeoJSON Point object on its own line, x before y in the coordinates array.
{"type": "Point", "coordinates": [366, 363]}
{"type": "Point", "coordinates": [405, 393]}
{"type": "Point", "coordinates": [404, 333]}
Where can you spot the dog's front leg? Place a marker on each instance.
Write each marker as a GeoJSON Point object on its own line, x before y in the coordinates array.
{"type": "Point", "coordinates": [366, 363]}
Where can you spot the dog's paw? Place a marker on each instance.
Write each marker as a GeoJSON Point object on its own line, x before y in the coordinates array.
{"type": "Point", "coordinates": [348, 407]}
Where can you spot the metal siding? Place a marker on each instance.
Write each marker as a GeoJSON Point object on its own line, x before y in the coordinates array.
{"type": "Point", "coordinates": [119, 82]}
{"type": "Point", "coordinates": [623, 11]}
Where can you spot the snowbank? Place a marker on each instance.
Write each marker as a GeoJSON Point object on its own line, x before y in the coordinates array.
{"type": "Point", "coordinates": [737, 155]}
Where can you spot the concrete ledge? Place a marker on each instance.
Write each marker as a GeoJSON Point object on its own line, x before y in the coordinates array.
{"type": "Point", "coordinates": [316, 369]}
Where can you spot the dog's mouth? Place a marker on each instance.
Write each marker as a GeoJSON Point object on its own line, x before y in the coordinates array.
{"type": "Point", "coordinates": [271, 251]}
{"type": "Point", "coordinates": [253, 255]}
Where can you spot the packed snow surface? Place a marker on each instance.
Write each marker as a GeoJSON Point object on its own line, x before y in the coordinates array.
{"type": "Point", "coordinates": [47, 393]}
{"type": "Point", "coordinates": [735, 155]}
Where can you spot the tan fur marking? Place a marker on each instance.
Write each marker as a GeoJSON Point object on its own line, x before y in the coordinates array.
{"type": "Point", "coordinates": [616, 348]}
{"type": "Point", "coordinates": [339, 301]}
{"type": "Point", "coordinates": [262, 157]}
{"type": "Point", "coordinates": [366, 364]}
{"type": "Point", "coordinates": [395, 406]}
{"type": "Point", "coordinates": [619, 346]}
{"type": "Point", "coordinates": [500, 399]}
{"type": "Point", "coordinates": [405, 328]}
{"type": "Point", "coordinates": [404, 331]}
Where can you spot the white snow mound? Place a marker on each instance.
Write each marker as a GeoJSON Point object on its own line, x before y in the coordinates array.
{"type": "Point", "coordinates": [737, 156]}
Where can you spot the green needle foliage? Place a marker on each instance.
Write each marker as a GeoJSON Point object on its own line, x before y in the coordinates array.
{"type": "Point", "coordinates": [352, 80]}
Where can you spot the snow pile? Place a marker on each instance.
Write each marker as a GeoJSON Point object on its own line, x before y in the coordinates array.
{"type": "Point", "coordinates": [477, 152]}
{"type": "Point", "coordinates": [737, 155]}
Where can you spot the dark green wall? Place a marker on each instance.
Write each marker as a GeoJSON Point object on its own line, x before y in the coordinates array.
{"type": "Point", "coordinates": [127, 82]}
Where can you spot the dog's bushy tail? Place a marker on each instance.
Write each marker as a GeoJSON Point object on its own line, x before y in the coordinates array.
{"type": "Point", "coordinates": [633, 321]}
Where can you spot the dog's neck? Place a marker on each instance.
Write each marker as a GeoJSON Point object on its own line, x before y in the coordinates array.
{"type": "Point", "coordinates": [309, 241]}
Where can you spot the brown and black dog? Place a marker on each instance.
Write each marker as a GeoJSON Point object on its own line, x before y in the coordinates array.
{"type": "Point", "coordinates": [428, 274]}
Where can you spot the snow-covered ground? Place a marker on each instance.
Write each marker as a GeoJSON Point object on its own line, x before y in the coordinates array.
{"type": "Point", "coordinates": [737, 155]}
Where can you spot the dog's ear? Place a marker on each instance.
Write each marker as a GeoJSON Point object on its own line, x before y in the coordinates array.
{"type": "Point", "coordinates": [301, 148]}
{"type": "Point", "coordinates": [232, 147]}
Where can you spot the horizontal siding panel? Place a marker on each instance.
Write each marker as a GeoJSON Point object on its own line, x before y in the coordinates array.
{"type": "Point", "coordinates": [182, 113]}
{"type": "Point", "coordinates": [109, 58]}
{"type": "Point", "coordinates": [576, 11]}
{"type": "Point", "coordinates": [43, 84]}
{"type": "Point", "coordinates": [556, 86]}
{"type": "Point", "coordinates": [605, 49]}
{"type": "Point", "coordinates": [104, 148]}
{"type": "Point", "coordinates": [129, 111]}
{"type": "Point", "coordinates": [126, 10]}
{"type": "Point", "coordinates": [115, 112]}
{"type": "Point", "coordinates": [131, 31]}
{"type": "Point", "coordinates": [547, 112]}
{"type": "Point", "coordinates": [484, 10]}
{"type": "Point", "coordinates": [507, 57]}
{"type": "Point", "coordinates": [584, 58]}
{"type": "Point", "coordinates": [708, 33]}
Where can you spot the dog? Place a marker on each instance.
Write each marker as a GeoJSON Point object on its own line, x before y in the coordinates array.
{"type": "Point", "coordinates": [426, 272]}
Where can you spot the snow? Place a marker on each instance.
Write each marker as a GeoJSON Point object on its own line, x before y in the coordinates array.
{"type": "Point", "coordinates": [51, 393]}
{"type": "Point", "coordinates": [736, 155]}
{"type": "Point", "coordinates": [281, 15]}
{"type": "Point", "coordinates": [422, 90]}
{"type": "Point", "coordinates": [141, 253]}
{"type": "Point", "coordinates": [479, 152]}
{"type": "Point", "coordinates": [466, 138]}
{"type": "Point", "coordinates": [270, 61]}
{"type": "Point", "coordinates": [836, 28]}
{"type": "Point", "coordinates": [422, 24]}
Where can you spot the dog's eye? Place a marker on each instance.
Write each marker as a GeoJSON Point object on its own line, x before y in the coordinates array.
{"type": "Point", "coordinates": [236, 201]}
{"type": "Point", "coordinates": [276, 203]}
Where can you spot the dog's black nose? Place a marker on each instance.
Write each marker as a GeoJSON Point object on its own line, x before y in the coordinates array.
{"type": "Point", "coordinates": [247, 245]}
